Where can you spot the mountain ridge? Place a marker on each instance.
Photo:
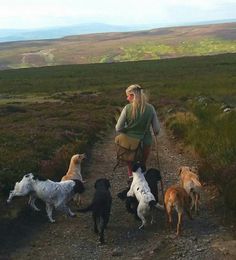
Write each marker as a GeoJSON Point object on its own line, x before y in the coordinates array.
{"type": "Point", "coordinates": [11, 34]}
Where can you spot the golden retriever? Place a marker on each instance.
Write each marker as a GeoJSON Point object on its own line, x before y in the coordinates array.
{"type": "Point", "coordinates": [190, 182]}
{"type": "Point", "coordinates": [74, 173]}
{"type": "Point", "coordinates": [176, 197]}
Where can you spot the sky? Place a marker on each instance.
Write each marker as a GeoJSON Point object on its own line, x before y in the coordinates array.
{"type": "Point", "coordinates": [32, 14]}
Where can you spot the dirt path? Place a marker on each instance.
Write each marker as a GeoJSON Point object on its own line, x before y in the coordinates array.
{"type": "Point", "coordinates": [73, 238]}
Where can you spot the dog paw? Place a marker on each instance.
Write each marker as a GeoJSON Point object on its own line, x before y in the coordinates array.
{"type": "Point", "coordinates": [52, 220]}
{"type": "Point", "coordinates": [8, 202]}
{"type": "Point", "coordinates": [101, 241]}
{"type": "Point", "coordinates": [73, 215]}
{"type": "Point", "coordinates": [172, 236]}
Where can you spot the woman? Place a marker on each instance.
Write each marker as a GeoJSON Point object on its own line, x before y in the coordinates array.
{"type": "Point", "coordinates": [135, 120]}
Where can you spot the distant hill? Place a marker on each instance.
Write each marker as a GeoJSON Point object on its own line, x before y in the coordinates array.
{"type": "Point", "coordinates": [121, 46]}
{"type": "Point", "coordinates": [9, 35]}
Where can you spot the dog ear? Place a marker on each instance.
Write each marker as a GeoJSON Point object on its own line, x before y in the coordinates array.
{"type": "Point", "coordinates": [39, 177]}
{"type": "Point", "coordinates": [108, 183]}
{"type": "Point", "coordinates": [180, 170]}
{"type": "Point", "coordinates": [96, 183]}
{"type": "Point", "coordinates": [143, 168]}
{"type": "Point", "coordinates": [158, 176]}
{"type": "Point", "coordinates": [137, 165]}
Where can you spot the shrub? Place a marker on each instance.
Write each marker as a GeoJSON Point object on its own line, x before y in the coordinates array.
{"type": "Point", "coordinates": [180, 122]}
{"type": "Point", "coordinates": [212, 135]}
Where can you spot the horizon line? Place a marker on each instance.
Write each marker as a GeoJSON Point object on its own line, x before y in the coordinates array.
{"type": "Point", "coordinates": [187, 23]}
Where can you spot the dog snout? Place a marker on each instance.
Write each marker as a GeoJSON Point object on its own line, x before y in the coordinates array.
{"type": "Point", "coordinates": [82, 156]}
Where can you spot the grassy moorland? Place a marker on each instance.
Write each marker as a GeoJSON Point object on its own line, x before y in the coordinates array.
{"type": "Point", "coordinates": [49, 113]}
{"type": "Point", "coordinates": [152, 44]}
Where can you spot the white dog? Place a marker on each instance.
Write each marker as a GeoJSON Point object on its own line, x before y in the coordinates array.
{"type": "Point", "coordinates": [54, 194]}
{"type": "Point", "coordinates": [139, 188]}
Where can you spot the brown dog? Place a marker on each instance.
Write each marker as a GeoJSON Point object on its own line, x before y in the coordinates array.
{"type": "Point", "coordinates": [177, 197]}
{"type": "Point", "coordinates": [74, 172]}
{"type": "Point", "coordinates": [190, 182]}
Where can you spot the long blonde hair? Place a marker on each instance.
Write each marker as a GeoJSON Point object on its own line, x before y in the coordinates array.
{"type": "Point", "coordinates": [139, 101]}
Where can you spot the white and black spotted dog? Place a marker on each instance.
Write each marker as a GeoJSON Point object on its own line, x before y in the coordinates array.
{"type": "Point", "coordinates": [54, 194]}
{"type": "Point", "coordinates": [139, 188]}
{"type": "Point", "coordinates": [153, 178]}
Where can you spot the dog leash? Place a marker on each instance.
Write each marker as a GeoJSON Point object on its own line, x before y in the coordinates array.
{"type": "Point", "coordinates": [159, 167]}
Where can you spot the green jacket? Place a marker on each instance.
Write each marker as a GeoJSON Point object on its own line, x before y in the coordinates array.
{"type": "Point", "coordinates": [140, 126]}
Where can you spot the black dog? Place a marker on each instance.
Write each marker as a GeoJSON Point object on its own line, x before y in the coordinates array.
{"type": "Point", "coordinates": [100, 207]}
{"type": "Point", "coordinates": [131, 203]}
{"type": "Point", "coordinates": [152, 176]}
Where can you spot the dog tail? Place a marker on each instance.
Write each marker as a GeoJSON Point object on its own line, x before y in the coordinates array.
{"type": "Point", "coordinates": [87, 209]}
{"type": "Point", "coordinates": [196, 187]}
{"type": "Point", "coordinates": [154, 204]}
{"type": "Point", "coordinates": [159, 206]}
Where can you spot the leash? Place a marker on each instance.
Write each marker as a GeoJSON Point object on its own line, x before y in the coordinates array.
{"type": "Point", "coordinates": [159, 167]}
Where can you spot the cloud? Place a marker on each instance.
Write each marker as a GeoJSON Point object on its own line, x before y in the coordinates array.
{"type": "Point", "coordinates": [35, 13]}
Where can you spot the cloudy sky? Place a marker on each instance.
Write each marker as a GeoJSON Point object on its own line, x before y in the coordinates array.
{"type": "Point", "coordinates": [49, 13]}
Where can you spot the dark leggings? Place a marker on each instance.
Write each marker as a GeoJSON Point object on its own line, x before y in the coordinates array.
{"type": "Point", "coordinates": [146, 152]}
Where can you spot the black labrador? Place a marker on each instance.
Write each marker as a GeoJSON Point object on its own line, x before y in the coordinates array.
{"type": "Point", "coordinates": [100, 207]}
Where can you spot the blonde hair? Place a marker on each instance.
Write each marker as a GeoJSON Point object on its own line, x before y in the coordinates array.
{"type": "Point", "coordinates": [139, 101]}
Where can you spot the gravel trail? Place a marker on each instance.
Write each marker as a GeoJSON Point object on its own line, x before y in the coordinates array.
{"type": "Point", "coordinates": [32, 237]}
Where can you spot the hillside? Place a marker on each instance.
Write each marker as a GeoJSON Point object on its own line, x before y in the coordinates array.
{"type": "Point", "coordinates": [118, 47]}
{"type": "Point", "coordinates": [50, 113]}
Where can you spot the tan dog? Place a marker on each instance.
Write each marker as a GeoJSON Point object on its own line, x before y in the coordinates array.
{"type": "Point", "coordinates": [190, 182]}
{"type": "Point", "coordinates": [177, 197]}
{"type": "Point", "coordinates": [74, 172]}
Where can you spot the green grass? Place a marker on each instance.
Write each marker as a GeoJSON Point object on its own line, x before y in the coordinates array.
{"type": "Point", "coordinates": [155, 50]}
{"type": "Point", "coordinates": [210, 132]}
{"type": "Point", "coordinates": [207, 46]}
{"type": "Point", "coordinates": [41, 137]}
{"type": "Point", "coordinates": [213, 75]}
{"type": "Point", "coordinates": [49, 113]}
